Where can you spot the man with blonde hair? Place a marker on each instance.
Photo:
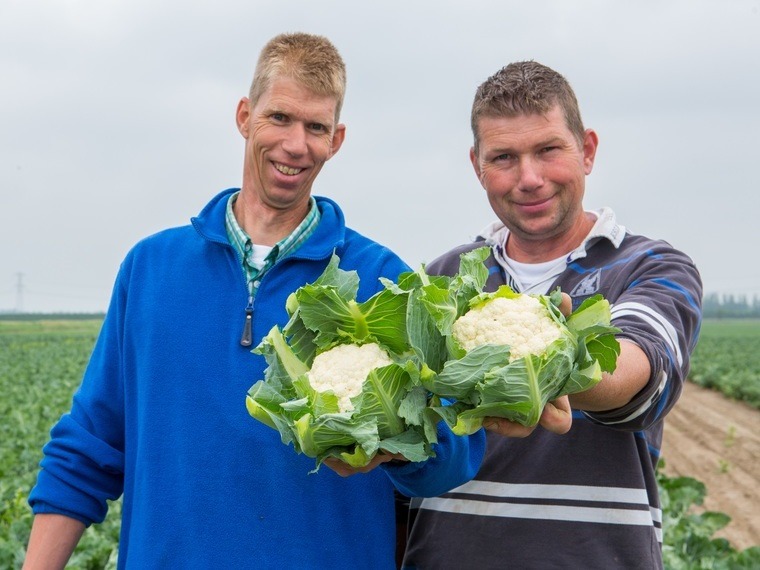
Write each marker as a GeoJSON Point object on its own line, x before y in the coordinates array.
{"type": "Point", "coordinates": [160, 418]}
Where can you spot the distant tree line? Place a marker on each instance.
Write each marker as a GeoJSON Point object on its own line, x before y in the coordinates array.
{"type": "Point", "coordinates": [13, 316]}
{"type": "Point", "coordinates": [716, 306]}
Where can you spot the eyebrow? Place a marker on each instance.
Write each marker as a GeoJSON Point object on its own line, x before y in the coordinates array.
{"type": "Point", "coordinates": [324, 121]}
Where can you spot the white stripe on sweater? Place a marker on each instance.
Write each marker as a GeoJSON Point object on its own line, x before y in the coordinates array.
{"type": "Point", "coordinates": [543, 512]}
{"type": "Point", "coordinates": [659, 323]}
{"type": "Point", "coordinates": [562, 492]}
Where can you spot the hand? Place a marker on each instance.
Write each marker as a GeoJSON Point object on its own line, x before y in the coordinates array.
{"type": "Point", "coordinates": [556, 417]}
{"type": "Point", "coordinates": [345, 470]}
{"type": "Point", "coordinates": [566, 306]}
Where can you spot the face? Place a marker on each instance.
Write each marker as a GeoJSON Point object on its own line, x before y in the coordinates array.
{"type": "Point", "coordinates": [533, 170]}
{"type": "Point", "coordinates": [290, 133]}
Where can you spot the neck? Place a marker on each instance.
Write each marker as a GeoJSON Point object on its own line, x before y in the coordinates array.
{"type": "Point", "coordinates": [526, 249]}
{"type": "Point", "coordinates": [267, 225]}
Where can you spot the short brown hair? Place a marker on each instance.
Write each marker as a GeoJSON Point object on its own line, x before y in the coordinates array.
{"type": "Point", "coordinates": [311, 60]}
{"type": "Point", "coordinates": [526, 88]}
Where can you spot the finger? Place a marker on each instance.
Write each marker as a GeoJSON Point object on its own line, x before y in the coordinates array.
{"type": "Point", "coordinates": [381, 458]}
{"type": "Point", "coordinates": [340, 467]}
{"type": "Point", "coordinates": [506, 428]}
{"type": "Point", "coordinates": [557, 416]}
{"type": "Point", "coordinates": [566, 306]}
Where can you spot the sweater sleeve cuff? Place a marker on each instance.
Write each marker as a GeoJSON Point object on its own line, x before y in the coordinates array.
{"type": "Point", "coordinates": [40, 508]}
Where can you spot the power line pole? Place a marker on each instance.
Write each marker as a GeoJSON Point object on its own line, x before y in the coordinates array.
{"type": "Point", "coordinates": [20, 293]}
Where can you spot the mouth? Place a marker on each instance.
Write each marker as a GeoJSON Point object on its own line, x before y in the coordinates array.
{"type": "Point", "coordinates": [534, 203]}
{"type": "Point", "coordinates": [535, 206]}
{"type": "Point", "coordinates": [287, 170]}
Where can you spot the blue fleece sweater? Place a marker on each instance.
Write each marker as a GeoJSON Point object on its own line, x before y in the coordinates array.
{"type": "Point", "coordinates": [160, 417]}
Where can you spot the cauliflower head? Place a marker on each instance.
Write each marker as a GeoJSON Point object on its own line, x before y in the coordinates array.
{"type": "Point", "coordinates": [522, 323]}
{"type": "Point", "coordinates": [344, 368]}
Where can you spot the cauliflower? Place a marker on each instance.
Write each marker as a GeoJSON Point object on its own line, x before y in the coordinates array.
{"type": "Point", "coordinates": [522, 323]}
{"type": "Point", "coordinates": [335, 349]}
{"type": "Point", "coordinates": [502, 353]}
{"type": "Point", "coordinates": [344, 368]}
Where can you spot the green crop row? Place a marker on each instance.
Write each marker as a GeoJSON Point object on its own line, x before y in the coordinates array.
{"type": "Point", "coordinates": [727, 359]}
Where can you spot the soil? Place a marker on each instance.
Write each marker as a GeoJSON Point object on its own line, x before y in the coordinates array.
{"type": "Point", "coordinates": [716, 440]}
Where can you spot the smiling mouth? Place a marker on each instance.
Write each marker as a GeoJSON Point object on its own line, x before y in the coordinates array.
{"type": "Point", "coordinates": [286, 169]}
{"type": "Point", "coordinates": [534, 203]}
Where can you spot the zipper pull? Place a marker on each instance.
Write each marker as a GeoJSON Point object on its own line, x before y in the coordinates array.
{"type": "Point", "coordinates": [247, 338]}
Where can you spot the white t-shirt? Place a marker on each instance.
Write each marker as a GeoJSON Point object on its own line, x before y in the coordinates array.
{"type": "Point", "coordinates": [535, 277]}
{"type": "Point", "coordinates": [259, 254]}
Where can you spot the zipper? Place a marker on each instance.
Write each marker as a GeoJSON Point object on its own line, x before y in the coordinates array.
{"type": "Point", "coordinates": [246, 339]}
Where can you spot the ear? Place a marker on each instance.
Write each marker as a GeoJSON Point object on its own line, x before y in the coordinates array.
{"type": "Point", "coordinates": [242, 115]}
{"type": "Point", "coordinates": [337, 139]}
{"type": "Point", "coordinates": [590, 144]}
{"type": "Point", "coordinates": [475, 163]}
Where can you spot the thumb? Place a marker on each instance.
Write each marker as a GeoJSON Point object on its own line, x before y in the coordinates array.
{"type": "Point", "coordinates": [557, 416]}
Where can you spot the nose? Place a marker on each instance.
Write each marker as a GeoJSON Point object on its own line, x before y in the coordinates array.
{"type": "Point", "coordinates": [294, 142]}
{"type": "Point", "coordinates": [530, 175]}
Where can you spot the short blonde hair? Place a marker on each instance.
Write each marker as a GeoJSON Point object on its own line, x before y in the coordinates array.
{"type": "Point", "coordinates": [311, 60]}
{"type": "Point", "coordinates": [526, 88]}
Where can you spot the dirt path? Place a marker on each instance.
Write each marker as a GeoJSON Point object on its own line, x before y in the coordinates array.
{"type": "Point", "coordinates": [717, 441]}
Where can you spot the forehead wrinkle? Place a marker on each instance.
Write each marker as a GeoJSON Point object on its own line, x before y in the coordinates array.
{"type": "Point", "coordinates": [509, 134]}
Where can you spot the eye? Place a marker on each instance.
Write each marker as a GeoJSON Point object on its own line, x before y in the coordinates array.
{"type": "Point", "coordinates": [318, 127]}
{"type": "Point", "coordinates": [502, 157]}
{"type": "Point", "coordinates": [278, 117]}
{"type": "Point", "coordinates": [548, 149]}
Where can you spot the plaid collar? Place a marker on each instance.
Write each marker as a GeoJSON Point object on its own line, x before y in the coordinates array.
{"type": "Point", "coordinates": [243, 245]}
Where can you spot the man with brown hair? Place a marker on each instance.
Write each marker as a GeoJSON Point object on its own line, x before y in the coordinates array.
{"type": "Point", "coordinates": [160, 418]}
{"type": "Point", "coordinates": [586, 499]}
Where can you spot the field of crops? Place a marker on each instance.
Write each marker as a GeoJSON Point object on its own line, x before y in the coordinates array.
{"type": "Point", "coordinates": [41, 363]}
{"type": "Point", "coordinates": [727, 358]}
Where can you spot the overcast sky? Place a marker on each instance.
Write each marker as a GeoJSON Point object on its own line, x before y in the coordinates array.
{"type": "Point", "coordinates": [117, 120]}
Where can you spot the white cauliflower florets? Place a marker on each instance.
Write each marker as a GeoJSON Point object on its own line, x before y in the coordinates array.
{"type": "Point", "coordinates": [521, 322]}
{"type": "Point", "coordinates": [344, 368]}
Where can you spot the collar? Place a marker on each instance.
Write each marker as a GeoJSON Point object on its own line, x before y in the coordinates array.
{"type": "Point", "coordinates": [243, 244]}
{"type": "Point", "coordinates": [330, 234]}
{"type": "Point", "coordinates": [605, 227]}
